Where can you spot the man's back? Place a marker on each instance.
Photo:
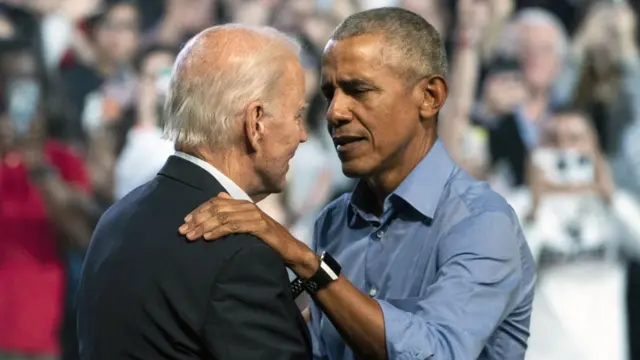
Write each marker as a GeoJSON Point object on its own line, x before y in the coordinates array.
{"type": "Point", "coordinates": [146, 293]}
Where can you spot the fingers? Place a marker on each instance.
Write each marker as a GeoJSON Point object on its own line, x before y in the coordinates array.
{"type": "Point", "coordinates": [213, 207]}
{"type": "Point", "coordinates": [206, 205]}
{"type": "Point", "coordinates": [230, 221]}
{"type": "Point", "coordinates": [220, 213]}
{"type": "Point", "coordinates": [224, 195]}
{"type": "Point", "coordinates": [233, 227]}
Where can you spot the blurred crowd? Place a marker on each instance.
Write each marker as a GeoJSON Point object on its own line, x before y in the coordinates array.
{"type": "Point", "coordinates": [544, 104]}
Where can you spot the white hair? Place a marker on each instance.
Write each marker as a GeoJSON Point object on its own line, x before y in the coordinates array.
{"type": "Point", "coordinates": [535, 16]}
{"type": "Point", "coordinates": [202, 106]}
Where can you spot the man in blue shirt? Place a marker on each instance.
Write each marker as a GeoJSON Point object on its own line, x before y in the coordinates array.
{"type": "Point", "coordinates": [434, 263]}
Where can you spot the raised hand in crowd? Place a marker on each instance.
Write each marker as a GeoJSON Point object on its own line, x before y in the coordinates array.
{"type": "Point", "coordinates": [473, 18]}
{"type": "Point", "coordinates": [602, 23]}
{"type": "Point", "coordinates": [500, 12]}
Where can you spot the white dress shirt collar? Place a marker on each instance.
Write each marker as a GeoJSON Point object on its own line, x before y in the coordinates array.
{"type": "Point", "coordinates": [232, 188]}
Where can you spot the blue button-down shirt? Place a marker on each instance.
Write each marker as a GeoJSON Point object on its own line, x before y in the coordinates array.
{"type": "Point", "coordinates": [446, 261]}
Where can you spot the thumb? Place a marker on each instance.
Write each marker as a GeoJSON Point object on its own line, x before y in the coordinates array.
{"type": "Point", "coordinates": [224, 195]}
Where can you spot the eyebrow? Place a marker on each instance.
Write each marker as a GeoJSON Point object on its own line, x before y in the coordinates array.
{"type": "Point", "coordinates": [352, 83]}
{"type": "Point", "coordinates": [349, 84]}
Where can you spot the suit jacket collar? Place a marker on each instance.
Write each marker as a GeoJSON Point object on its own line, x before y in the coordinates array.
{"type": "Point", "coordinates": [190, 174]}
{"type": "Point", "coordinates": [232, 188]}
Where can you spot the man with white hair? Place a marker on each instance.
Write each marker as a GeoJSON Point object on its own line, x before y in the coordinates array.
{"type": "Point", "coordinates": [234, 111]}
{"type": "Point", "coordinates": [538, 42]}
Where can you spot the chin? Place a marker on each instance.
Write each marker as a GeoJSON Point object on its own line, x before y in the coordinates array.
{"type": "Point", "coordinates": [355, 169]}
{"type": "Point", "coordinates": [277, 186]}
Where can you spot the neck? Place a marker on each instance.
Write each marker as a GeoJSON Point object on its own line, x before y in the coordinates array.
{"type": "Point", "coordinates": [399, 166]}
{"type": "Point", "coordinates": [229, 162]}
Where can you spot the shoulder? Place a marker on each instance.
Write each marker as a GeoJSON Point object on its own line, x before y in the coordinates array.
{"type": "Point", "coordinates": [247, 249]}
{"type": "Point", "coordinates": [472, 214]}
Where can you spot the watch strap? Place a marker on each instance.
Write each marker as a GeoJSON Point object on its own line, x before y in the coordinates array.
{"type": "Point", "coordinates": [328, 271]}
{"type": "Point", "coordinates": [297, 287]}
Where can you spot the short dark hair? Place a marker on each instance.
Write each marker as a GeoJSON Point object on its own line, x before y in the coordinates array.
{"type": "Point", "coordinates": [416, 41]}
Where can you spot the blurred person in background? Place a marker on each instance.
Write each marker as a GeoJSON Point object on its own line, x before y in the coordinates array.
{"type": "Point", "coordinates": [145, 151]}
{"type": "Point", "coordinates": [436, 12]}
{"type": "Point", "coordinates": [581, 230]}
{"type": "Point", "coordinates": [104, 87]}
{"type": "Point", "coordinates": [254, 12]}
{"type": "Point", "coordinates": [541, 47]}
{"type": "Point", "coordinates": [605, 57]}
{"type": "Point", "coordinates": [181, 20]}
{"type": "Point", "coordinates": [44, 192]}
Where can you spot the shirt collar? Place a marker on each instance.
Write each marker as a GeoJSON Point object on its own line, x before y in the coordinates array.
{"type": "Point", "coordinates": [421, 189]}
{"type": "Point", "coordinates": [232, 188]}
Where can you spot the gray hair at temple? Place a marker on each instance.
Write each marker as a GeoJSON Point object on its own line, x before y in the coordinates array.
{"type": "Point", "coordinates": [417, 49]}
{"type": "Point", "coordinates": [214, 79]}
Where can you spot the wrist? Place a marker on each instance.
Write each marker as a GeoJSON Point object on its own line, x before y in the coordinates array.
{"type": "Point", "coordinates": [306, 264]}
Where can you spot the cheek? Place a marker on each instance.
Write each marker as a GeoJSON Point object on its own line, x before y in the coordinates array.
{"type": "Point", "coordinates": [283, 140]}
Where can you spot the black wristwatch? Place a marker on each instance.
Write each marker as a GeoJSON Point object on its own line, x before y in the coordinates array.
{"type": "Point", "coordinates": [328, 272]}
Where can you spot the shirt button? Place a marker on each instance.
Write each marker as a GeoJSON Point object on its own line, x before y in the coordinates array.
{"type": "Point", "coordinates": [380, 234]}
{"type": "Point", "coordinates": [373, 292]}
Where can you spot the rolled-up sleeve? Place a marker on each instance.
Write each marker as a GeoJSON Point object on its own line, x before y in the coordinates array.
{"type": "Point", "coordinates": [478, 283]}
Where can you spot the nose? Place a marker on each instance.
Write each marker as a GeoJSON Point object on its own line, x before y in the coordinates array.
{"type": "Point", "coordinates": [338, 113]}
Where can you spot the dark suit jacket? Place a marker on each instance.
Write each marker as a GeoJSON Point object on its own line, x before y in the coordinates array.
{"type": "Point", "coordinates": [146, 293]}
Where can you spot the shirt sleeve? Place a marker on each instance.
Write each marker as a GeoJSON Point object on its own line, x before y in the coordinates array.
{"type": "Point", "coordinates": [316, 313]}
{"type": "Point", "coordinates": [477, 286]}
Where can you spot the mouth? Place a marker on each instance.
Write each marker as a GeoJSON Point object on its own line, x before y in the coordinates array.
{"type": "Point", "coordinates": [345, 142]}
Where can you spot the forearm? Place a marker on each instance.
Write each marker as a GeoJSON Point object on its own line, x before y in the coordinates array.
{"type": "Point", "coordinates": [465, 69]}
{"type": "Point", "coordinates": [456, 118]}
{"type": "Point", "coordinates": [356, 316]}
{"type": "Point", "coordinates": [492, 38]}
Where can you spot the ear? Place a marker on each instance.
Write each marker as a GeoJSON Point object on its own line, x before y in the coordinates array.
{"type": "Point", "coordinates": [433, 92]}
{"type": "Point", "coordinates": [254, 124]}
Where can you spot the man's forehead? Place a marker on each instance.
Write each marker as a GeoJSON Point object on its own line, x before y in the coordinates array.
{"type": "Point", "coordinates": [358, 57]}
